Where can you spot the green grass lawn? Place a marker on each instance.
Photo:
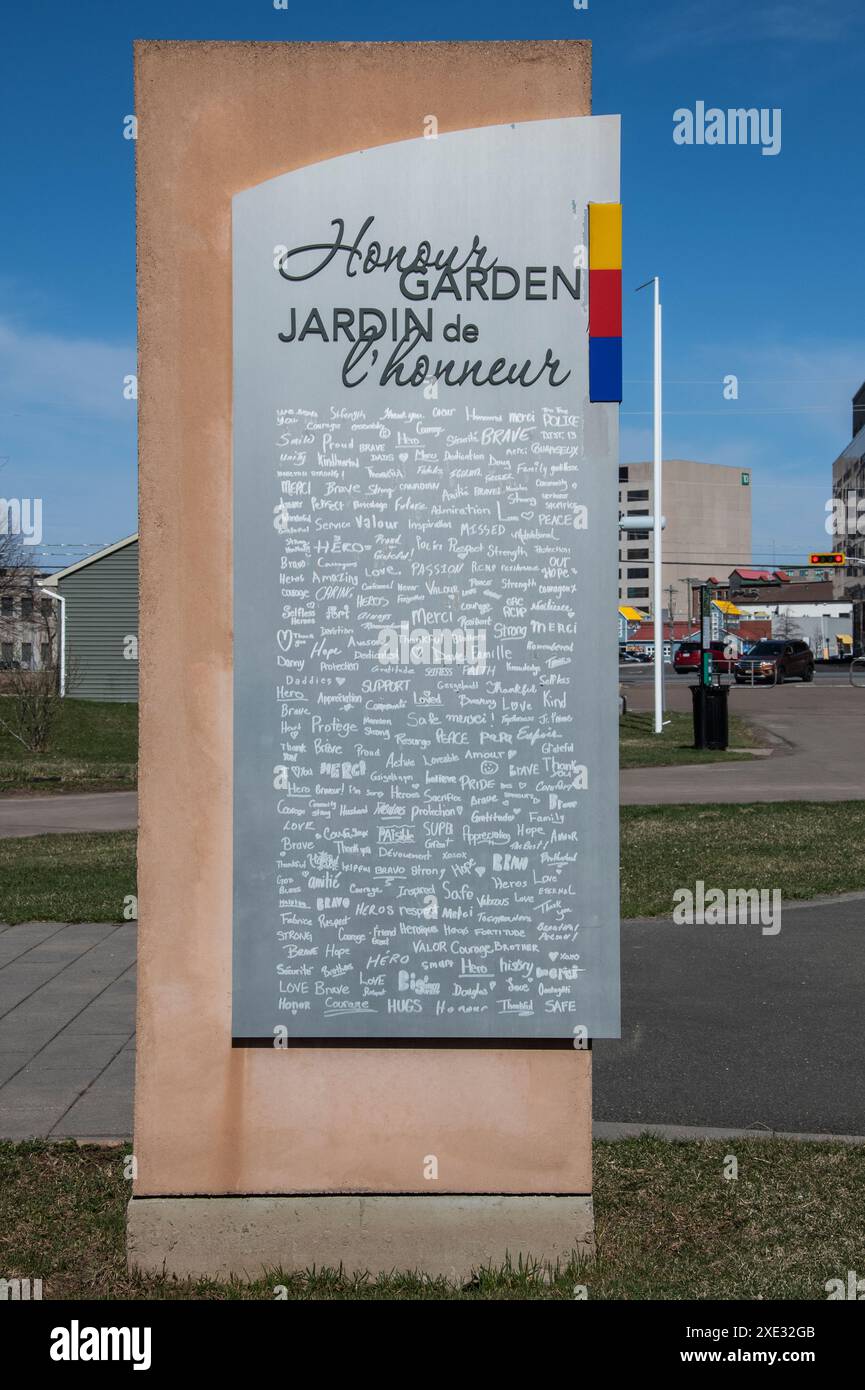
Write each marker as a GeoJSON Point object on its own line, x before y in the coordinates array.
{"type": "Point", "coordinates": [93, 747]}
{"type": "Point", "coordinates": [805, 848]}
{"type": "Point", "coordinates": [67, 878]}
{"type": "Point", "coordinates": [640, 746]}
{"type": "Point", "coordinates": [669, 1226]}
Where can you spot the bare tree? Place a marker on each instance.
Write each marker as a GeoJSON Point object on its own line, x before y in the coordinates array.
{"type": "Point", "coordinates": [31, 706]}
{"type": "Point", "coordinates": [31, 709]}
{"type": "Point", "coordinates": [786, 626]}
{"type": "Point", "coordinates": [26, 615]}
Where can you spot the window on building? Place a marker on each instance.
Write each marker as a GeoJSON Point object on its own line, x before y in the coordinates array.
{"type": "Point", "coordinates": [639, 535]}
{"type": "Point", "coordinates": [47, 605]}
{"type": "Point", "coordinates": [8, 606]}
{"type": "Point", "coordinates": [637, 555]}
{"type": "Point", "coordinates": [638, 574]}
{"type": "Point", "coordinates": [623, 474]}
{"type": "Point", "coordinates": [45, 654]}
{"type": "Point", "coordinates": [27, 654]}
{"type": "Point", "coordinates": [27, 609]}
{"type": "Point", "coordinates": [642, 495]}
{"type": "Point", "coordinates": [638, 593]}
{"type": "Point", "coordinates": [8, 651]}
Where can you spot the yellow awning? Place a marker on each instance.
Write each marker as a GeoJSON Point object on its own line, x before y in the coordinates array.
{"type": "Point", "coordinates": [845, 638]}
{"type": "Point", "coordinates": [727, 607]}
{"type": "Point", "coordinates": [632, 615]}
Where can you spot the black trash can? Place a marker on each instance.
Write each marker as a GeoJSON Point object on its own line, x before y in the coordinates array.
{"type": "Point", "coordinates": [711, 723]}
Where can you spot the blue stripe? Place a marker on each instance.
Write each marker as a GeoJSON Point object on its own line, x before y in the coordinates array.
{"type": "Point", "coordinates": [605, 369]}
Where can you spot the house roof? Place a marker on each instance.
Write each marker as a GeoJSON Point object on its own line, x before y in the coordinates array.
{"type": "Point", "coordinates": [91, 559]}
{"type": "Point", "coordinates": [763, 575]}
{"type": "Point", "coordinates": [809, 591]}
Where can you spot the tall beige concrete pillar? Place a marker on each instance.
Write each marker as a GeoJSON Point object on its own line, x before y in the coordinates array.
{"type": "Point", "coordinates": [250, 1157]}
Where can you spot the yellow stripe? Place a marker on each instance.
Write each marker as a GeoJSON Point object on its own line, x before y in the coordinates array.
{"type": "Point", "coordinates": [605, 236]}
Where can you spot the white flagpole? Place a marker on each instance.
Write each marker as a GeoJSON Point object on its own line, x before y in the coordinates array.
{"type": "Point", "coordinates": [657, 508]}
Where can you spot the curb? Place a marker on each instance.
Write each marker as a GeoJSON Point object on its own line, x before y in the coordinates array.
{"type": "Point", "coordinates": [607, 1130]}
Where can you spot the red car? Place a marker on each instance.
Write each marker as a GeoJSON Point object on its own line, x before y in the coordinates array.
{"type": "Point", "coordinates": [687, 657]}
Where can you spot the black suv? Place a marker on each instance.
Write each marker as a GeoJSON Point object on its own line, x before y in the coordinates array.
{"type": "Point", "coordinates": [775, 660]}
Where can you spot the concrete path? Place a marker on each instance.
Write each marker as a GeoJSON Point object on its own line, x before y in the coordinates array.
{"type": "Point", "coordinates": [723, 1028]}
{"type": "Point", "coordinates": [63, 815]}
{"type": "Point", "coordinates": [67, 1004]}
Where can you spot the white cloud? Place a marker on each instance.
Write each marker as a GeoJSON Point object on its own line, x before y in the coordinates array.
{"type": "Point", "coordinates": [705, 24]}
{"type": "Point", "coordinates": [63, 376]}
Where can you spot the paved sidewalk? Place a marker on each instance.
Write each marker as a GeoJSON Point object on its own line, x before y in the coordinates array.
{"type": "Point", "coordinates": [67, 1005]}
{"type": "Point", "coordinates": [64, 815]}
{"type": "Point", "coordinates": [723, 1027]}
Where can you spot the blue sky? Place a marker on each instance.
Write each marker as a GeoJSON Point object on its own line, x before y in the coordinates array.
{"type": "Point", "coordinates": [760, 257]}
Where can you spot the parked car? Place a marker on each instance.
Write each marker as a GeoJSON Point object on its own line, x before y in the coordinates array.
{"type": "Point", "coordinates": [775, 660]}
{"type": "Point", "coordinates": [687, 657]}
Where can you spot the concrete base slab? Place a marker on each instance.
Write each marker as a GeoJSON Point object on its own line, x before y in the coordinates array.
{"type": "Point", "coordinates": [449, 1235]}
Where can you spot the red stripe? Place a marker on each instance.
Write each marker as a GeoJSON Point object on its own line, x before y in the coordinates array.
{"type": "Point", "coordinates": [605, 303]}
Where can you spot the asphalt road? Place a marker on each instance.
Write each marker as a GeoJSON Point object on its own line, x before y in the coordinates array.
{"type": "Point", "coordinates": [723, 1028]}
{"type": "Point", "coordinates": [818, 733]}
{"type": "Point", "coordinates": [62, 815]}
{"type": "Point", "coordinates": [728, 1028]}
{"type": "Point", "coordinates": [643, 673]}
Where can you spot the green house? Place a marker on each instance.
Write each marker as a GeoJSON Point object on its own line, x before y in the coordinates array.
{"type": "Point", "coordinates": [100, 617]}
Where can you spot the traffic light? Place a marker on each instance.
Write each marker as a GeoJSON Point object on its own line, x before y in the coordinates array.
{"type": "Point", "coordinates": [835, 558]}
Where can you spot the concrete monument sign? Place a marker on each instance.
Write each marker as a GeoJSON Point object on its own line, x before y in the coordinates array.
{"type": "Point", "coordinates": [419, 593]}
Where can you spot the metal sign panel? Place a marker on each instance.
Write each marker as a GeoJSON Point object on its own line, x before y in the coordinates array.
{"type": "Point", "coordinates": [425, 541]}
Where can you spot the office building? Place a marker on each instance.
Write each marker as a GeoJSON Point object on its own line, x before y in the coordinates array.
{"type": "Point", "coordinates": [708, 511]}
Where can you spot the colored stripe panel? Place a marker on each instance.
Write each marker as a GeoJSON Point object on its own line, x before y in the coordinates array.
{"type": "Point", "coordinates": [605, 302]}
{"type": "Point", "coordinates": [605, 236]}
{"type": "Point", "coordinates": [605, 369]}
